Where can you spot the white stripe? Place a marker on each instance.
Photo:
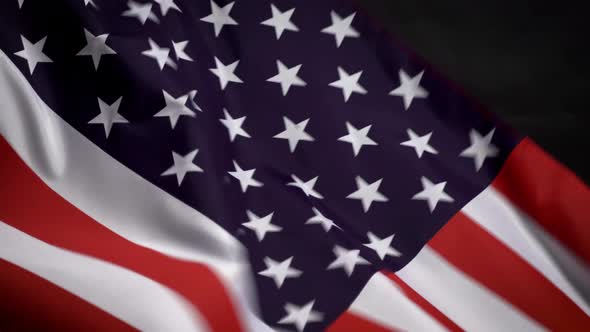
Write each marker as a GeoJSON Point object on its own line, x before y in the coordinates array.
{"type": "Point", "coordinates": [462, 299]}
{"type": "Point", "coordinates": [382, 302]}
{"type": "Point", "coordinates": [498, 216]}
{"type": "Point", "coordinates": [112, 194]}
{"type": "Point", "coordinates": [128, 296]}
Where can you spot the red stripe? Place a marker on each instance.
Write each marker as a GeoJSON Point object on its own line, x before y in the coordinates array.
{"type": "Point", "coordinates": [30, 303]}
{"type": "Point", "coordinates": [549, 193]}
{"type": "Point", "coordinates": [349, 322]}
{"type": "Point", "coordinates": [432, 311]}
{"type": "Point", "coordinates": [481, 256]}
{"type": "Point", "coordinates": [32, 207]}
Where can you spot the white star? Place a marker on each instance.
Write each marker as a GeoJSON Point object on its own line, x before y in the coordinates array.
{"type": "Point", "coordinates": [279, 271]}
{"type": "Point", "coordinates": [306, 187]}
{"type": "Point", "coordinates": [419, 143]}
{"type": "Point", "coordinates": [234, 126]}
{"type": "Point", "coordinates": [166, 5]}
{"type": "Point", "coordinates": [433, 193]}
{"type": "Point", "coordinates": [33, 53]}
{"type": "Point", "coordinates": [281, 21]}
{"type": "Point", "coordinates": [294, 133]}
{"type": "Point", "coordinates": [367, 193]}
{"type": "Point", "coordinates": [225, 73]}
{"type": "Point", "coordinates": [179, 50]}
{"type": "Point", "coordinates": [347, 259]}
{"type": "Point", "coordinates": [287, 77]}
{"type": "Point", "coordinates": [357, 137]}
{"type": "Point", "coordinates": [261, 226]}
{"type": "Point", "coordinates": [141, 11]}
{"type": "Point", "coordinates": [191, 97]}
{"type": "Point", "coordinates": [246, 177]}
{"type": "Point", "coordinates": [300, 316]}
{"type": "Point", "coordinates": [409, 88]}
{"type": "Point", "coordinates": [320, 219]}
{"type": "Point", "coordinates": [480, 148]}
{"type": "Point", "coordinates": [341, 28]}
{"type": "Point", "coordinates": [175, 108]}
{"type": "Point", "coordinates": [382, 246]}
{"type": "Point", "coordinates": [349, 83]}
{"type": "Point", "coordinates": [109, 114]}
{"type": "Point", "coordinates": [183, 165]}
{"type": "Point", "coordinates": [86, 2]}
{"type": "Point", "coordinates": [160, 54]}
{"type": "Point", "coordinates": [220, 16]}
{"type": "Point", "coordinates": [96, 46]}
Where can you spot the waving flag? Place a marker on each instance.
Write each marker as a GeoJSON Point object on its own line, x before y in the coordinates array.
{"type": "Point", "coordinates": [175, 165]}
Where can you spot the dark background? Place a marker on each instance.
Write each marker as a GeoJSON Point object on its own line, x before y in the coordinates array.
{"type": "Point", "coordinates": [525, 60]}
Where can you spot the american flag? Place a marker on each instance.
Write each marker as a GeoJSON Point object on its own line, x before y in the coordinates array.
{"type": "Point", "coordinates": [176, 165]}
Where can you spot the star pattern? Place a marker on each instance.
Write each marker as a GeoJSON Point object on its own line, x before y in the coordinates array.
{"type": "Point", "coordinates": [261, 226]}
{"type": "Point", "coordinates": [433, 193]}
{"type": "Point", "coordinates": [191, 99]}
{"type": "Point", "coordinates": [322, 220]}
{"type": "Point", "coordinates": [357, 137]}
{"type": "Point", "coordinates": [280, 21]}
{"type": "Point", "coordinates": [367, 193]}
{"type": "Point", "coordinates": [183, 165]}
{"type": "Point", "coordinates": [86, 3]}
{"type": "Point", "coordinates": [160, 54]}
{"type": "Point", "coordinates": [382, 247]}
{"type": "Point", "coordinates": [33, 53]}
{"type": "Point", "coordinates": [301, 316]}
{"type": "Point", "coordinates": [409, 88]}
{"type": "Point", "coordinates": [347, 260]}
{"type": "Point", "coordinates": [306, 187]}
{"type": "Point", "coordinates": [141, 11]}
{"type": "Point", "coordinates": [294, 133]}
{"type": "Point", "coordinates": [109, 115]}
{"type": "Point", "coordinates": [419, 143]}
{"type": "Point", "coordinates": [225, 73]}
{"type": "Point", "coordinates": [287, 77]}
{"type": "Point", "coordinates": [96, 47]}
{"type": "Point", "coordinates": [246, 177]}
{"type": "Point", "coordinates": [167, 5]}
{"type": "Point", "coordinates": [234, 126]}
{"type": "Point", "coordinates": [279, 271]}
{"type": "Point", "coordinates": [481, 148]}
{"type": "Point", "coordinates": [179, 50]}
{"type": "Point", "coordinates": [175, 108]}
{"type": "Point", "coordinates": [341, 27]}
{"type": "Point", "coordinates": [220, 17]}
{"type": "Point", "coordinates": [349, 83]}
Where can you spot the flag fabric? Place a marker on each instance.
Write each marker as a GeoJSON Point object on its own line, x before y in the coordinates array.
{"type": "Point", "coordinates": [175, 165]}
